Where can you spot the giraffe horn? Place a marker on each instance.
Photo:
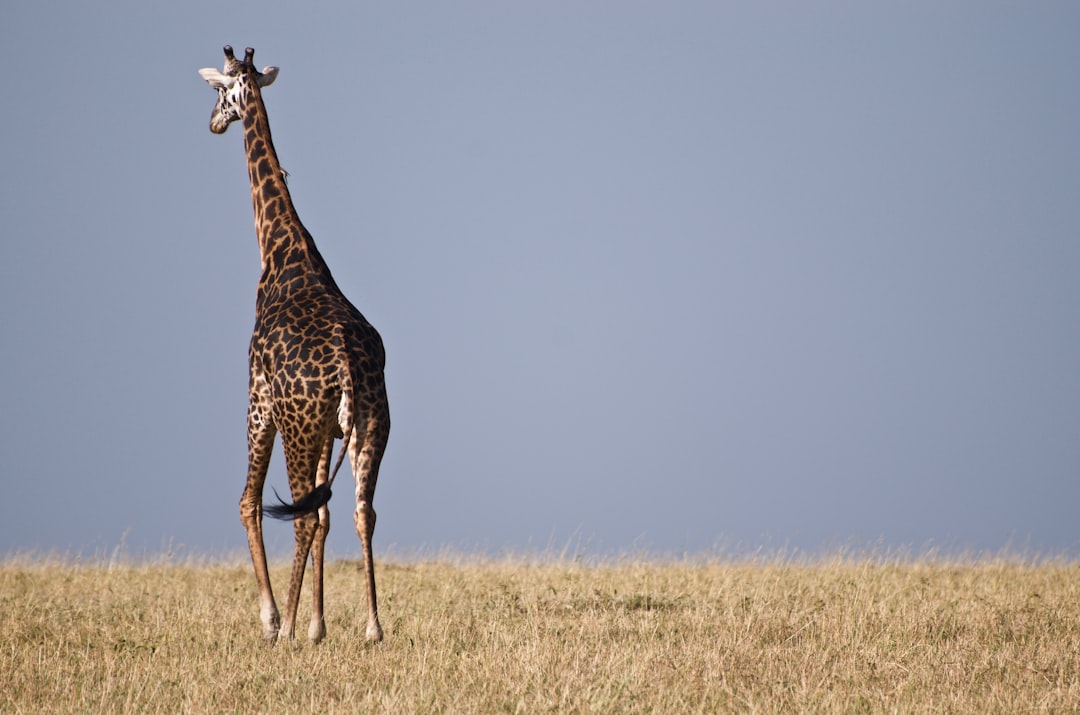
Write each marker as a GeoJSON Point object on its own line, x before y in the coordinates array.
{"type": "Point", "coordinates": [249, 55]}
{"type": "Point", "coordinates": [229, 53]}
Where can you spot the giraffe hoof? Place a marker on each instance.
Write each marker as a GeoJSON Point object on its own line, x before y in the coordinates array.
{"type": "Point", "coordinates": [270, 633]}
{"type": "Point", "coordinates": [316, 631]}
{"type": "Point", "coordinates": [374, 632]}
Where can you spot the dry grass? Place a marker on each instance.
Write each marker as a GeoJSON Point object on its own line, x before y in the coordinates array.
{"type": "Point", "coordinates": [514, 635]}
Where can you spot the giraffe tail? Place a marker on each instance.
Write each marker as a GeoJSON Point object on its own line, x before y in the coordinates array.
{"type": "Point", "coordinates": [314, 500]}
{"type": "Point", "coordinates": [321, 494]}
{"type": "Point", "coordinates": [305, 505]}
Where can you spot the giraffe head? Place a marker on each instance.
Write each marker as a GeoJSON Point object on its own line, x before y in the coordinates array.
{"type": "Point", "coordinates": [234, 87]}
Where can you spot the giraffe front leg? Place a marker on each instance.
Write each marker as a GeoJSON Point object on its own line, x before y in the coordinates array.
{"type": "Point", "coordinates": [302, 459]}
{"type": "Point", "coordinates": [304, 527]}
{"type": "Point", "coordinates": [317, 629]}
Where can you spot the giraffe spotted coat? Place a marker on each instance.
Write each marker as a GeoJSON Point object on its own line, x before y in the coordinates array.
{"type": "Point", "coordinates": [316, 369]}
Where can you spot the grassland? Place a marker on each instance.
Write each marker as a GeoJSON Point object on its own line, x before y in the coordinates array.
{"type": "Point", "coordinates": [519, 635]}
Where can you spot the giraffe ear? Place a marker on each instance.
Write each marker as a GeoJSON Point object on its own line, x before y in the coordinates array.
{"type": "Point", "coordinates": [215, 78]}
{"type": "Point", "coordinates": [269, 74]}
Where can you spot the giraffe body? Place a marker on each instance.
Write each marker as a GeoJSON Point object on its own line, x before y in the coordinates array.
{"type": "Point", "coordinates": [316, 370]}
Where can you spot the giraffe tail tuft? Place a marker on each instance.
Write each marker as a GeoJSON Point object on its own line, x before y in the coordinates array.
{"type": "Point", "coordinates": [306, 505]}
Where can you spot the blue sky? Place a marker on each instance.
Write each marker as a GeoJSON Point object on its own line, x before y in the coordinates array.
{"type": "Point", "coordinates": [650, 275]}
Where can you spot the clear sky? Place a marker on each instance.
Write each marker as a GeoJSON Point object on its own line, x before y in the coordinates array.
{"type": "Point", "coordinates": [662, 275]}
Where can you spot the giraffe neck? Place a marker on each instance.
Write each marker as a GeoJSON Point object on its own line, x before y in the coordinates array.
{"type": "Point", "coordinates": [286, 249]}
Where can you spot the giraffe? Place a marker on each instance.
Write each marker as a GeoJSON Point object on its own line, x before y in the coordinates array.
{"type": "Point", "coordinates": [316, 371]}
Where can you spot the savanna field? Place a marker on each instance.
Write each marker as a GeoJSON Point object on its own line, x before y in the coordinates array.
{"type": "Point", "coordinates": [554, 635]}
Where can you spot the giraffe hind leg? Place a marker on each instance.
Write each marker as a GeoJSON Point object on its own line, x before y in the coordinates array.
{"type": "Point", "coordinates": [366, 455]}
{"type": "Point", "coordinates": [365, 528]}
{"type": "Point", "coordinates": [260, 444]}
